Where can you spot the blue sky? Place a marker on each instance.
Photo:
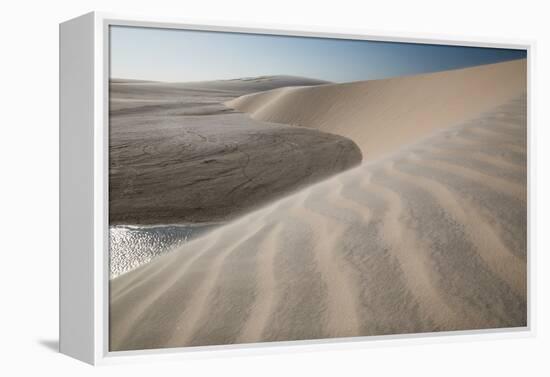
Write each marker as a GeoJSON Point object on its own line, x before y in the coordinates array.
{"type": "Point", "coordinates": [185, 55]}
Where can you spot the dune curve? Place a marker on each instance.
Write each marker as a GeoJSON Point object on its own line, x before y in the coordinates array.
{"type": "Point", "coordinates": [382, 115]}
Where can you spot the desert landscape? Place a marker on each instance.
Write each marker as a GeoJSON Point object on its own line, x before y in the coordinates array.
{"type": "Point", "coordinates": [281, 208]}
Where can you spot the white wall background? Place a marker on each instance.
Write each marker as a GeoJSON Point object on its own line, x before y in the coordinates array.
{"type": "Point", "coordinates": [29, 183]}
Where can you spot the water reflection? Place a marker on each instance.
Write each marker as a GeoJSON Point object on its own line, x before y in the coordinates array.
{"type": "Point", "coordinates": [132, 246]}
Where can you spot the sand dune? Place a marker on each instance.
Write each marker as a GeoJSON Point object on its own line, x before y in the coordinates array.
{"type": "Point", "coordinates": [254, 84]}
{"type": "Point", "coordinates": [124, 92]}
{"type": "Point", "coordinates": [382, 115]}
{"type": "Point", "coordinates": [432, 237]}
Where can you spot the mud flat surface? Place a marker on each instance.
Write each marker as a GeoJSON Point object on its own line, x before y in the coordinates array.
{"type": "Point", "coordinates": [177, 154]}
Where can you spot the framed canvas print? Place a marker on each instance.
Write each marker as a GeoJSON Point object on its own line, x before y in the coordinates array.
{"type": "Point", "coordinates": [233, 189]}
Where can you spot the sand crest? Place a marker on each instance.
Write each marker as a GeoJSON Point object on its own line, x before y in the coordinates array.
{"type": "Point", "coordinates": [382, 115]}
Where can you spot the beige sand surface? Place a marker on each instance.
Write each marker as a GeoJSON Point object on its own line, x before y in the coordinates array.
{"type": "Point", "coordinates": [382, 115]}
{"type": "Point", "coordinates": [432, 237]}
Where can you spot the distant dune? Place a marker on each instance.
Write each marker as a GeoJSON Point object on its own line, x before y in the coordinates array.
{"type": "Point", "coordinates": [123, 90]}
{"type": "Point", "coordinates": [430, 238]}
{"type": "Point", "coordinates": [382, 115]}
{"type": "Point", "coordinates": [254, 84]}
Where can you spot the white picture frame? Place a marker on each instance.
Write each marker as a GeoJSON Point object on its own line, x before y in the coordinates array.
{"type": "Point", "coordinates": [84, 83]}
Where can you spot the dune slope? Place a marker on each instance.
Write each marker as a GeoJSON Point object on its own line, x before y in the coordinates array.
{"type": "Point", "coordinates": [431, 238]}
{"type": "Point", "coordinates": [382, 115]}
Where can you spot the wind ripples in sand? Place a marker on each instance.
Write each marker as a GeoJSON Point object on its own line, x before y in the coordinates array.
{"type": "Point", "coordinates": [431, 238]}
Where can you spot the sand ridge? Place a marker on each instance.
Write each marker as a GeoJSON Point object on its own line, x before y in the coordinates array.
{"type": "Point", "coordinates": [382, 115]}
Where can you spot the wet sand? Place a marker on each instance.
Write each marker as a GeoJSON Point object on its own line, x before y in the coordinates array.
{"type": "Point", "coordinates": [179, 155]}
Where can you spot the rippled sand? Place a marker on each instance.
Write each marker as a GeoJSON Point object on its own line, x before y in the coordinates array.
{"type": "Point", "coordinates": [432, 237]}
